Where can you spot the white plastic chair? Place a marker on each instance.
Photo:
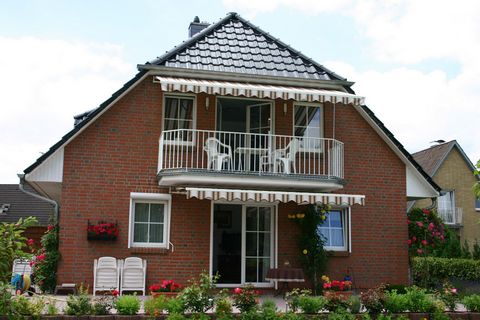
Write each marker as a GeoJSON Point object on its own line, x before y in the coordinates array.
{"type": "Point", "coordinates": [215, 157]}
{"type": "Point", "coordinates": [106, 273]}
{"type": "Point", "coordinates": [21, 266]}
{"type": "Point", "coordinates": [287, 158]}
{"type": "Point", "coordinates": [134, 272]}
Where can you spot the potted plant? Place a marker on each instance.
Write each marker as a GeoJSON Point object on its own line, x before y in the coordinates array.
{"type": "Point", "coordinates": [168, 288]}
{"type": "Point", "coordinates": [102, 231]}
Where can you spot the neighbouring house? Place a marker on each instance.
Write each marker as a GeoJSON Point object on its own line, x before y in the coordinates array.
{"type": "Point", "coordinates": [202, 156]}
{"type": "Point", "coordinates": [15, 204]}
{"type": "Point", "coordinates": [452, 170]}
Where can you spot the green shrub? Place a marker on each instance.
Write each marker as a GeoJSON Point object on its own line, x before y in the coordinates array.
{"type": "Point", "coordinates": [250, 315]}
{"type": "Point", "coordinates": [127, 305]}
{"type": "Point", "coordinates": [175, 305]}
{"type": "Point", "coordinates": [46, 269]}
{"type": "Point", "coordinates": [419, 301]}
{"type": "Point", "coordinates": [290, 316]}
{"type": "Point", "coordinates": [426, 232]}
{"type": "Point", "coordinates": [292, 297]}
{"type": "Point", "coordinates": [384, 317]}
{"type": "Point", "coordinates": [354, 304]}
{"type": "Point", "coordinates": [399, 288]}
{"type": "Point", "coordinates": [198, 297]}
{"type": "Point", "coordinates": [176, 316]}
{"type": "Point", "coordinates": [341, 315]}
{"type": "Point", "coordinates": [223, 308]}
{"type": "Point", "coordinates": [395, 303]}
{"type": "Point", "coordinates": [440, 269]}
{"type": "Point", "coordinates": [246, 298]}
{"type": "Point", "coordinates": [79, 305]}
{"type": "Point", "coordinates": [311, 304]}
{"type": "Point", "coordinates": [476, 250]}
{"type": "Point", "coordinates": [155, 306]}
{"type": "Point", "coordinates": [13, 244]}
{"type": "Point", "coordinates": [23, 307]}
{"type": "Point", "coordinates": [52, 307]}
{"type": "Point", "coordinates": [5, 299]}
{"type": "Point", "coordinates": [374, 299]}
{"type": "Point", "coordinates": [472, 302]}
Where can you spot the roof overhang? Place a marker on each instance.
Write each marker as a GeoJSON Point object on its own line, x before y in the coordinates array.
{"type": "Point", "coordinates": [274, 196]}
{"type": "Point", "coordinates": [249, 90]}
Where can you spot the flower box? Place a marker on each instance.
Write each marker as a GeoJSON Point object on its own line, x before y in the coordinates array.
{"type": "Point", "coordinates": [103, 231]}
{"type": "Point", "coordinates": [344, 295]}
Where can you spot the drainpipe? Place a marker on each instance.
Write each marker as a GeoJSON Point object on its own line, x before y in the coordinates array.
{"type": "Point", "coordinates": [52, 202]}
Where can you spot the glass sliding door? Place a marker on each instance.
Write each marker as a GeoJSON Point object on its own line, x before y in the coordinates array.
{"type": "Point", "coordinates": [258, 240]}
{"type": "Point", "coordinates": [242, 243]}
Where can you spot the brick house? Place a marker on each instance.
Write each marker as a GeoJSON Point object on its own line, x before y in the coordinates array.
{"type": "Point", "coordinates": [201, 157]}
{"type": "Point", "coordinates": [452, 170]}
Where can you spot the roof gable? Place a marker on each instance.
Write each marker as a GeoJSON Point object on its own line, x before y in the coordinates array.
{"type": "Point", "coordinates": [236, 45]}
{"type": "Point", "coordinates": [432, 158]}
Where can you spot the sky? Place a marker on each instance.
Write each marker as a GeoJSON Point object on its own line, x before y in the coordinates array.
{"type": "Point", "coordinates": [416, 62]}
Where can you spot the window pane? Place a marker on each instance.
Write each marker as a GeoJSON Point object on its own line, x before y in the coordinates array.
{"type": "Point", "coordinates": [251, 270]}
{"type": "Point", "coordinates": [156, 212]}
{"type": "Point", "coordinates": [264, 244]}
{"type": "Point", "coordinates": [264, 265]}
{"type": "Point", "coordinates": [171, 124]}
{"type": "Point", "coordinates": [264, 219]}
{"type": "Point", "coordinates": [335, 219]}
{"type": "Point", "coordinates": [324, 234]}
{"type": "Point", "coordinates": [171, 108]}
{"type": "Point", "coordinates": [140, 232]}
{"type": "Point", "coordinates": [251, 219]}
{"type": "Point", "coordinates": [185, 124]}
{"type": "Point", "coordinates": [336, 237]}
{"type": "Point", "coordinates": [300, 116]}
{"type": "Point", "coordinates": [186, 109]}
{"type": "Point", "coordinates": [251, 244]}
{"type": "Point", "coordinates": [141, 212]}
{"type": "Point", "coordinates": [313, 117]}
{"type": "Point", "coordinates": [156, 233]}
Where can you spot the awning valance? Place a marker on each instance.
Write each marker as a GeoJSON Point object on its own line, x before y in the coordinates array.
{"type": "Point", "coordinates": [275, 196]}
{"type": "Point", "coordinates": [248, 90]}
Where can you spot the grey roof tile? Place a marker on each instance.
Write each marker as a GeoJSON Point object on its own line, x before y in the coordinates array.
{"type": "Point", "coordinates": [236, 45]}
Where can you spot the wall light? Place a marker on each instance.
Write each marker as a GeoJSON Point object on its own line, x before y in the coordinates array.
{"type": "Point", "coordinates": [207, 103]}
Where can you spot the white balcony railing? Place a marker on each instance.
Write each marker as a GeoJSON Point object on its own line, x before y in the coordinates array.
{"type": "Point", "coordinates": [249, 153]}
{"type": "Point", "coordinates": [451, 216]}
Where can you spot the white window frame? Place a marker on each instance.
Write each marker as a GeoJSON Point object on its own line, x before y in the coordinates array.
{"type": "Point", "coordinates": [345, 212]}
{"type": "Point", "coordinates": [452, 207]}
{"type": "Point", "coordinates": [166, 200]}
{"type": "Point", "coordinates": [194, 117]}
{"type": "Point", "coordinates": [321, 128]}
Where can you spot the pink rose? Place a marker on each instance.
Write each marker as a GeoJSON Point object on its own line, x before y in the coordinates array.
{"type": "Point", "coordinates": [425, 242]}
{"type": "Point", "coordinates": [237, 290]}
{"type": "Point", "coordinates": [30, 242]}
{"type": "Point", "coordinates": [419, 251]}
{"type": "Point", "coordinates": [420, 224]}
{"type": "Point", "coordinates": [409, 242]}
{"type": "Point", "coordinates": [454, 290]}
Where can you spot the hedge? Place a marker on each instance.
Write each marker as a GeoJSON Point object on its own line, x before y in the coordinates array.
{"type": "Point", "coordinates": [443, 268]}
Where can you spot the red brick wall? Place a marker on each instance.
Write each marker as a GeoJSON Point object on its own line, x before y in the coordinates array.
{"type": "Point", "coordinates": [118, 154]}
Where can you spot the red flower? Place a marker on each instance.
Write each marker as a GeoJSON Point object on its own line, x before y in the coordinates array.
{"type": "Point", "coordinates": [409, 242]}
{"type": "Point", "coordinates": [408, 221]}
{"type": "Point", "coordinates": [50, 228]}
{"type": "Point", "coordinates": [425, 242]}
{"type": "Point", "coordinates": [237, 290]}
{"type": "Point", "coordinates": [414, 238]}
{"type": "Point", "coordinates": [420, 224]}
{"type": "Point", "coordinates": [30, 242]}
{"type": "Point", "coordinates": [41, 257]}
{"type": "Point", "coordinates": [431, 226]}
{"type": "Point", "coordinates": [115, 293]}
{"type": "Point", "coordinates": [419, 251]}
{"type": "Point", "coordinates": [31, 263]}
{"type": "Point", "coordinates": [426, 211]}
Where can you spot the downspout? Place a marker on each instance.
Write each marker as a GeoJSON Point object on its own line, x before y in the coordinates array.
{"type": "Point", "coordinates": [52, 202]}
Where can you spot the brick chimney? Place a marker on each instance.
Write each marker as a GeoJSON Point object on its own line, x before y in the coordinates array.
{"type": "Point", "coordinates": [196, 26]}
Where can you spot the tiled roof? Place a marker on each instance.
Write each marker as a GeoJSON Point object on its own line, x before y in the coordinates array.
{"type": "Point", "coordinates": [432, 158]}
{"type": "Point", "coordinates": [236, 45]}
{"type": "Point", "coordinates": [22, 205]}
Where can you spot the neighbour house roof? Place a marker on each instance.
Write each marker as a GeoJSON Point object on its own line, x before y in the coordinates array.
{"type": "Point", "coordinates": [432, 158]}
{"type": "Point", "coordinates": [15, 204]}
{"type": "Point", "coordinates": [236, 46]}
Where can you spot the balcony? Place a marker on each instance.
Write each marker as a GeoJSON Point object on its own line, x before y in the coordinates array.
{"type": "Point", "coordinates": [219, 158]}
{"type": "Point", "coordinates": [452, 217]}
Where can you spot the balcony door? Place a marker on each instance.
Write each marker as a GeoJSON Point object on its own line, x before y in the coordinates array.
{"type": "Point", "coordinates": [242, 243]}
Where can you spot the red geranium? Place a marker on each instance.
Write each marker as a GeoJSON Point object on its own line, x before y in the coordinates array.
{"type": "Point", "coordinates": [165, 286]}
{"type": "Point", "coordinates": [103, 228]}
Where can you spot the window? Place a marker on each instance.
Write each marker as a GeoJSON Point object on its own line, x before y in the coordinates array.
{"type": "Point", "coordinates": [334, 230]}
{"type": "Point", "coordinates": [179, 114]}
{"type": "Point", "coordinates": [477, 204]}
{"type": "Point", "coordinates": [446, 207]}
{"type": "Point", "coordinates": [149, 220]}
{"type": "Point", "coordinates": [308, 125]}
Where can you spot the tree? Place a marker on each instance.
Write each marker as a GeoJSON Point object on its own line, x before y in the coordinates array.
{"type": "Point", "coordinates": [476, 186]}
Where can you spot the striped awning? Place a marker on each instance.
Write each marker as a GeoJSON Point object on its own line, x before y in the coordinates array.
{"type": "Point", "coordinates": [275, 196]}
{"type": "Point", "coordinates": [240, 89]}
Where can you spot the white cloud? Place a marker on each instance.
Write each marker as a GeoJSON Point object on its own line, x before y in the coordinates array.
{"type": "Point", "coordinates": [43, 84]}
{"type": "Point", "coordinates": [421, 107]}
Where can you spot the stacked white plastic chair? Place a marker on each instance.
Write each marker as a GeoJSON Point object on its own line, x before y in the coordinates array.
{"type": "Point", "coordinates": [133, 275]}
{"type": "Point", "coordinates": [106, 274]}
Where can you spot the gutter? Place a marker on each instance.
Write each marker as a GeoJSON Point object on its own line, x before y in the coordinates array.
{"type": "Point", "coordinates": [52, 202]}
